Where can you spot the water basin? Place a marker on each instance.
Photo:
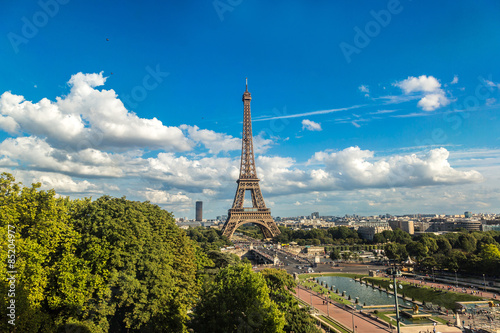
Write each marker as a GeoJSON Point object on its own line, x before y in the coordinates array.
{"type": "Point", "coordinates": [367, 294]}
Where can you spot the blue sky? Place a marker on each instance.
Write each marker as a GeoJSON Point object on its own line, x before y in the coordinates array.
{"type": "Point", "coordinates": [366, 108]}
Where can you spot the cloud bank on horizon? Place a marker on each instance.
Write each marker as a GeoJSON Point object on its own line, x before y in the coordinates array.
{"type": "Point", "coordinates": [87, 143]}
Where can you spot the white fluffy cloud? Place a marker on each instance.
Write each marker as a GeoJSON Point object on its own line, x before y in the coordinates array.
{"type": "Point", "coordinates": [192, 175]}
{"type": "Point", "coordinates": [165, 198]}
{"type": "Point", "coordinates": [422, 83]}
{"type": "Point", "coordinates": [87, 143]}
{"type": "Point", "coordinates": [87, 117]}
{"type": "Point", "coordinates": [355, 168]}
{"type": "Point", "coordinates": [213, 141]}
{"type": "Point", "coordinates": [431, 102]}
{"type": "Point", "coordinates": [433, 96]}
{"type": "Point", "coordinates": [65, 184]}
{"type": "Point", "coordinates": [310, 125]}
{"type": "Point", "coordinates": [36, 154]}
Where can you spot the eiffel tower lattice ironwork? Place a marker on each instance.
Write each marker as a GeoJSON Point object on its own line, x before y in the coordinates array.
{"type": "Point", "coordinates": [248, 182]}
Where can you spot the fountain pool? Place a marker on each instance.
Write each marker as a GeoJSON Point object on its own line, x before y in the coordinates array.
{"type": "Point", "coordinates": [366, 294]}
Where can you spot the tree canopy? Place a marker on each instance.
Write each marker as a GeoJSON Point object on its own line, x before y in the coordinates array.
{"type": "Point", "coordinates": [237, 301]}
{"type": "Point", "coordinates": [105, 265]}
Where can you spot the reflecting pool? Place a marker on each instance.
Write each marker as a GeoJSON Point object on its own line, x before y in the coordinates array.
{"type": "Point", "coordinates": [366, 294]}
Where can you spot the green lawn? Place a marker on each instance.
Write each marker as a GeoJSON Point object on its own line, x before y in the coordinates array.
{"type": "Point", "coordinates": [382, 315]}
{"type": "Point", "coordinates": [441, 320]}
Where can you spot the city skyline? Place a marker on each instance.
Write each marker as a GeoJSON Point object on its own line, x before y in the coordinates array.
{"type": "Point", "coordinates": [366, 108]}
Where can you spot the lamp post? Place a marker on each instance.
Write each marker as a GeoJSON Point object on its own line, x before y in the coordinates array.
{"type": "Point", "coordinates": [456, 280]}
{"type": "Point", "coordinates": [352, 313]}
{"type": "Point", "coordinates": [396, 297]}
{"type": "Point", "coordinates": [484, 284]}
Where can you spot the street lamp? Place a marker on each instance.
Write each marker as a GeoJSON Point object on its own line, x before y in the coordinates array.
{"type": "Point", "coordinates": [484, 281]}
{"type": "Point", "coordinates": [352, 313]}
{"type": "Point", "coordinates": [394, 271]}
{"type": "Point", "coordinates": [456, 280]}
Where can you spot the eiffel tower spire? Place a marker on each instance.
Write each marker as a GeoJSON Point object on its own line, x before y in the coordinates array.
{"type": "Point", "coordinates": [258, 214]}
{"type": "Point", "coordinates": [247, 166]}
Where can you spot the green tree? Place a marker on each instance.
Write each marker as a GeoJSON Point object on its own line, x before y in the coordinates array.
{"type": "Point", "coordinates": [53, 283]}
{"type": "Point", "coordinates": [146, 262]}
{"type": "Point", "coordinates": [484, 238]}
{"type": "Point", "coordinates": [379, 238]}
{"type": "Point", "coordinates": [490, 252]}
{"type": "Point", "coordinates": [401, 237]}
{"type": "Point", "coordinates": [417, 250]}
{"type": "Point", "coordinates": [467, 242]}
{"type": "Point", "coordinates": [395, 251]}
{"type": "Point", "coordinates": [237, 301]}
{"type": "Point", "coordinates": [444, 245]}
{"type": "Point", "coordinates": [208, 238]}
{"type": "Point", "coordinates": [490, 255]}
{"type": "Point", "coordinates": [430, 243]}
{"type": "Point", "coordinates": [335, 254]}
{"type": "Point", "coordinates": [429, 263]}
{"type": "Point", "coordinates": [389, 235]}
{"type": "Point", "coordinates": [281, 284]}
{"type": "Point", "coordinates": [346, 255]}
{"type": "Point", "coordinates": [315, 242]}
{"type": "Point", "coordinates": [222, 260]}
{"type": "Point", "coordinates": [456, 260]}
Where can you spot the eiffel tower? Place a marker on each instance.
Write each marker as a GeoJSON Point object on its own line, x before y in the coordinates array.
{"type": "Point", "coordinates": [258, 214]}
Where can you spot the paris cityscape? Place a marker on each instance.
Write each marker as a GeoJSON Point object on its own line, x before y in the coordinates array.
{"type": "Point", "coordinates": [250, 166]}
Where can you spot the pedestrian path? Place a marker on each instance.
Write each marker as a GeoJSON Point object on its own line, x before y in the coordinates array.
{"type": "Point", "coordinates": [360, 323]}
{"type": "Point", "coordinates": [346, 318]}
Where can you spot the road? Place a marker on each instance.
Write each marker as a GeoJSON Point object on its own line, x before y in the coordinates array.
{"type": "Point", "coordinates": [291, 262]}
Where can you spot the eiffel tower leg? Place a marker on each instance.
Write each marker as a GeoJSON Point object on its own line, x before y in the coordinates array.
{"type": "Point", "coordinates": [230, 227]}
{"type": "Point", "coordinates": [265, 231]}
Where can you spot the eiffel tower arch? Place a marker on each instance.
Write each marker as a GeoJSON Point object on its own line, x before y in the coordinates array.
{"type": "Point", "coordinates": [249, 183]}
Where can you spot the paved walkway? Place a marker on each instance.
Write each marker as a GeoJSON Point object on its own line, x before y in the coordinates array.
{"type": "Point", "coordinates": [346, 318]}
{"type": "Point", "coordinates": [361, 323]}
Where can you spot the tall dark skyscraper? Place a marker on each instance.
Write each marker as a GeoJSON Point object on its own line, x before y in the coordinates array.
{"type": "Point", "coordinates": [199, 211]}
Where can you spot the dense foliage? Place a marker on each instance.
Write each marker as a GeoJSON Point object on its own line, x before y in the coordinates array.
{"type": "Point", "coordinates": [109, 265]}
{"type": "Point", "coordinates": [237, 301]}
{"type": "Point", "coordinates": [297, 319]}
{"type": "Point", "coordinates": [335, 235]}
{"type": "Point", "coordinates": [467, 252]}
{"type": "Point", "coordinates": [208, 239]}
{"type": "Point", "coordinates": [474, 252]}
{"type": "Point", "coordinates": [251, 230]}
{"type": "Point", "coordinates": [114, 265]}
